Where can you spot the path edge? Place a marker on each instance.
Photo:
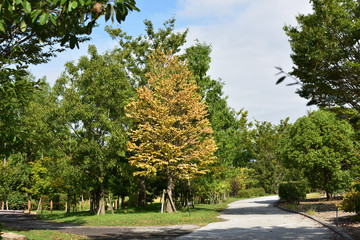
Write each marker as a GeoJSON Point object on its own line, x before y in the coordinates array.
{"type": "Point", "coordinates": [326, 224]}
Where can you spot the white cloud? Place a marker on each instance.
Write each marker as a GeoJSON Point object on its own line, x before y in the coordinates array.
{"type": "Point", "coordinates": [247, 45]}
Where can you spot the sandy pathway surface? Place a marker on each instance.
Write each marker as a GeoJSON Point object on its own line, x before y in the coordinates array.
{"type": "Point", "coordinates": [257, 218]}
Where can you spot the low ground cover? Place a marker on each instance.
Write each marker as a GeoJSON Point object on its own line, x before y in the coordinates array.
{"type": "Point", "coordinates": [148, 216]}
{"type": "Point", "coordinates": [317, 206]}
{"type": "Point", "coordinates": [201, 215]}
{"type": "Point", "coordinates": [45, 234]}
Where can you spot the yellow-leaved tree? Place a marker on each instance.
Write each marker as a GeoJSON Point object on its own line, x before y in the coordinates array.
{"type": "Point", "coordinates": [173, 135]}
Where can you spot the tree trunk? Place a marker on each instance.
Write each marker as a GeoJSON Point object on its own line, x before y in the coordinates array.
{"type": "Point", "coordinates": [101, 209]}
{"type": "Point", "coordinates": [122, 201]}
{"type": "Point", "coordinates": [328, 196]}
{"type": "Point", "coordinates": [142, 193]}
{"type": "Point", "coordinates": [170, 206]}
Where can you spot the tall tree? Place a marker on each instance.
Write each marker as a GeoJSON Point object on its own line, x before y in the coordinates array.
{"type": "Point", "coordinates": [135, 51]}
{"type": "Point", "coordinates": [93, 95]}
{"type": "Point", "coordinates": [322, 145]}
{"type": "Point", "coordinates": [269, 170]}
{"type": "Point", "coordinates": [173, 135]}
{"type": "Point", "coordinates": [325, 51]}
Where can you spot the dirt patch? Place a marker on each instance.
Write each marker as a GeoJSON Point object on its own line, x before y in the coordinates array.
{"type": "Point", "coordinates": [326, 211]}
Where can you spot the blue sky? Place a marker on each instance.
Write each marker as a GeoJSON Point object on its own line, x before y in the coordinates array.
{"type": "Point", "coordinates": [247, 40]}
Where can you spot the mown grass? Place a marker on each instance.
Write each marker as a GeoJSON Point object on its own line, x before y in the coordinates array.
{"type": "Point", "coordinates": [45, 234]}
{"type": "Point", "coordinates": [148, 216]}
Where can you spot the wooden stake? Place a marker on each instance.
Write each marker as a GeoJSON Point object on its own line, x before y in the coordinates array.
{"type": "Point", "coordinates": [172, 203]}
{"type": "Point", "coordinates": [2, 205]}
{"type": "Point", "coordinates": [66, 207]}
{"type": "Point", "coordinates": [51, 206]}
{"type": "Point", "coordinates": [38, 208]}
{"type": "Point", "coordinates": [29, 206]}
{"type": "Point", "coordinates": [111, 207]}
{"type": "Point", "coordinates": [163, 201]}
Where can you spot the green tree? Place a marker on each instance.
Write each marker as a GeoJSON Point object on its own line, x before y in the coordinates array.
{"type": "Point", "coordinates": [135, 51]}
{"type": "Point", "coordinates": [93, 94]}
{"type": "Point", "coordinates": [31, 32]}
{"type": "Point", "coordinates": [28, 27]}
{"type": "Point", "coordinates": [231, 129]}
{"type": "Point", "coordinates": [173, 135]}
{"type": "Point", "coordinates": [325, 47]}
{"type": "Point", "coordinates": [322, 145]}
{"type": "Point", "coordinates": [269, 170]}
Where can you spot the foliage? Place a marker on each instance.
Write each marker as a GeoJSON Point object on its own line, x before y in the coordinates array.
{"type": "Point", "coordinates": [134, 52]}
{"type": "Point", "coordinates": [241, 181]}
{"type": "Point", "coordinates": [172, 135]}
{"type": "Point", "coordinates": [268, 167]}
{"type": "Point", "coordinates": [321, 145]}
{"type": "Point", "coordinates": [292, 192]}
{"type": "Point", "coordinates": [12, 178]}
{"type": "Point", "coordinates": [351, 201]}
{"type": "Point", "coordinates": [251, 192]}
{"type": "Point", "coordinates": [93, 94]}
{"type": "Point", "coordinates": [27, 27]}
{"type": "Point", "coordinates": [325, 47]}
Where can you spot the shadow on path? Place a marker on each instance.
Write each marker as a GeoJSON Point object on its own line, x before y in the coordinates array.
{"type": "Point", "coordinates": [26, 222]}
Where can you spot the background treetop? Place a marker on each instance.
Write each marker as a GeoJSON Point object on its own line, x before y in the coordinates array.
{"type": "Point", "coordinates": [325, 46]}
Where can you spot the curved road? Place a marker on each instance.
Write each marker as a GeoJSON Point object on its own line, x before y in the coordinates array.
{"type": "Point", "coordinates": [257, 218]}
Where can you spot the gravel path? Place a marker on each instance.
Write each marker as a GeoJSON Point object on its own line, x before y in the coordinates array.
{"type": "Point", "coordinates": [257, 218]}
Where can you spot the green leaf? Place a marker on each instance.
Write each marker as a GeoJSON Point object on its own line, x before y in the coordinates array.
{"type": "Point", "coordinates": [43, 18]}
{"type": "Point", "coordinates": [52, 19]}
{"type": "Point", "coordinates": [2, 28]}
{"type": "Point", "coordinates": [108, 12]}
{"type": "Point", "coordinates": [73, 5]}
{"type": "Point", "coordinates": [27, 7]}
{"type": "Point", "coordinates": [22, 26]}
{"type": "Point", "coordinates": [63, 2]}
{"type": "Point", "coordinates": [35, 15]}
{"type": "Point", "coordinates": [312, 102]}
{"type": "Point", "coordinates": [73, 41]}
{"type": "Point", "coordinates": [82, 2]}
{"type": "Point", "coordinates": [280, 80]}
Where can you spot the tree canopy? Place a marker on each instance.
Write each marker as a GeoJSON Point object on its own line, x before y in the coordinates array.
{"type": "Point", "coordinates": [322, 145]}
{"type": "Point", "coordinates": [325, 51]}
{"type": "Point", "coordinates": [173, 134]}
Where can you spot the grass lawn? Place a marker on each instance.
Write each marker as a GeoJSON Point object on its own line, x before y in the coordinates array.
{"type": "Point", "coordinates": [148, 216]}
{"type": "Point", "coordinates": [45, 234]}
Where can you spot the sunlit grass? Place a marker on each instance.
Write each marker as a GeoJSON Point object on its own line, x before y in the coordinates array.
{"type": "Point", "coordinates": [314, 195]}
{"type": "Point", "coordinates": [45, 234]}
{"type": "Point", "coordinates": [149, 216]}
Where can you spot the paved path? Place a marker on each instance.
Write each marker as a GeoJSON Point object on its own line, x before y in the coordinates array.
{"type": "Point", "coordinates": [257, 218]}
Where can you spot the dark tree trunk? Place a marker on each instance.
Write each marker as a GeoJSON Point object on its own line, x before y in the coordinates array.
{"type": "Point", "coordinates": [142, 193]}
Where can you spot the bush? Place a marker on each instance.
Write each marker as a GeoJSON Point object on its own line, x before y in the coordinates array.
{"type": "Point", "coordinates": [351, 202]}
{"type": "Point", "coordinates": [292, 192]}
{"type": "Point", "coordinates": [17, 200]}
{"type": "Point", "coordinates": [251, 192]}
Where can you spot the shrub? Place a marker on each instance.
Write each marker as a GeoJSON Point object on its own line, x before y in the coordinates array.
{"type": "Point", "coordinates": [251, 192]}
{"type": "Point", "coordinates": [351, 202]}
{"type": "Point", "coordinates": [258, 192]}
{"type": "Point", "coordinates": [292, 192]}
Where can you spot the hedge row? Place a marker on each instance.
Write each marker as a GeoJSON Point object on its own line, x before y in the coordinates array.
{"type": "Point", "coordinates": [251, 192]}
{"type": "Point", "coordinates": [292, 192]}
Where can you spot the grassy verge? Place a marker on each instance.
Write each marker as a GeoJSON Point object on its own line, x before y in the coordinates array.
{"type": "Point", "coordinates": [313, 207]}
{"type": "Point", "coordinates": [45, 234]}
{"type": "Point", "coordinates": [149, 216]}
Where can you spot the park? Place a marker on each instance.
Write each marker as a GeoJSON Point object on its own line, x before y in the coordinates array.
{"type": "Point", "coordinates": [140, 141]}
